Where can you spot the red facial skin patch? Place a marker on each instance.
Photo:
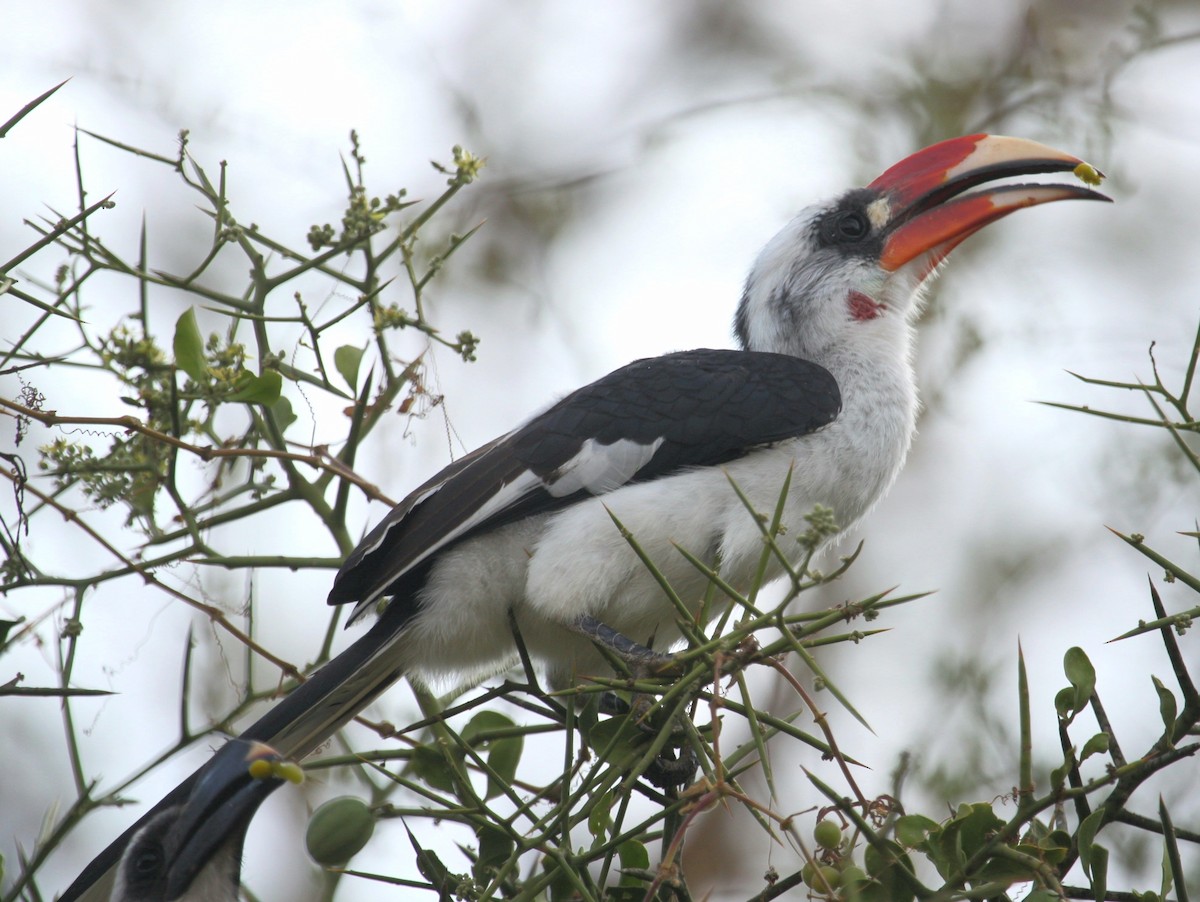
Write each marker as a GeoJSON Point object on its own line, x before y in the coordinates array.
{"type": "Point", "coordinates": [863, 308]}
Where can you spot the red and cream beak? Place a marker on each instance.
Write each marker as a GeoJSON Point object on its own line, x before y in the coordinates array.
{"type": "Point", "coordinates": [922, 208]}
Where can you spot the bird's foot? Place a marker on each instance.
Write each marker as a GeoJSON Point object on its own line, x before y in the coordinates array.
{"type": "Point", "coordinates": [643, 661]}
{"type": "Point", "coordinates": [676, 763]}
{"type": "Point", "coordinates": [668, 770]}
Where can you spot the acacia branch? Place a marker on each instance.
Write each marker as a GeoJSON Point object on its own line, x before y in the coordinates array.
{"type": "Point", "coordinates": [319, 458]}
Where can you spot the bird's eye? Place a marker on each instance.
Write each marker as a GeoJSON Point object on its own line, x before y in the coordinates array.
{"type": "Point", "coordinates": [845, 227]}
{"type": "Point", "coordinates": [147, 862]}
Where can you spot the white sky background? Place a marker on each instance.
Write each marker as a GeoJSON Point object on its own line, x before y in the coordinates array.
{"type": "Point", "coordinates": [701, 152]}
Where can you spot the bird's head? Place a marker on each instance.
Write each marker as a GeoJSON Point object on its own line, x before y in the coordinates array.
{"type": "Point", "coordinates": [193, 850]}
{"type": "Point", "coordinates": [860, 261]}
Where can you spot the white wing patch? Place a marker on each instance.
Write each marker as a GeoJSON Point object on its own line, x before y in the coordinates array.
{"type": "Point", "coordinates": [509, 494]}
{"type": "Point", "coordinates": [596, 468]}
{"type": "Point", "coordinates": [599, 468]}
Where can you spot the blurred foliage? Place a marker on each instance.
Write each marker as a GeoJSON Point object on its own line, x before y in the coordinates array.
{"type": "Point", "coordinates": [1048, 67]}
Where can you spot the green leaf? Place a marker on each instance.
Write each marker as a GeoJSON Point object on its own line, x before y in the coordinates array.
{"type": "Point", "coordinates": [884, 867]}
{"type": "Point", "coordinates": [431, 766]}
{"type": "Point", "coordinates": [1039, 841]}
{"type": "Point", "coordinates": [1054, 845]}
{"type": "Point", "coordinates": [483, 723]}
{"type": "Point", "coordinates": [1079, 669]}
{"type": "Point", "coordinates": [912, 829]}
{"type": "Point", "coordinates": [1168, 709]}
{"type": "Point", "coordinates": [975, 825]}
{"type": "Point", "coordinates": [1058, 776]}
{"type": "Point", "coordinates": [633, 857]}
{"type": "Point", "coordinates": [599, 817]}
{"type": "Point", "coordinates": [261, 389]}
{"type": "Point", "coordinates": [504, 752]}
{"type": "Point", "coordinates": [1082, 676]}
{"type": "Point", "coordinates": [189, 347]}
{"type": "Point", "coordinates": [1064, 702]}
{"type": "Point", "coordinates": [958, 839]}
{"type": "Point", "coordinates": [1097, 745]}
{"type": "Point", "coordinates": [347, 359]}
{"type": "Point", "coordinates": [1099, 872]}
{"type": "Point", "coordinates": [1002, 869]}
{"type": "Point", "coordinates": [495, 846]}
{"type": "Point", "coordinates": [143, 492]}
{"type": "Point", "coordinates": [282, 411]}
{"type": "Point", "coordinates": [503, 759]}
{"type": "Point", "coordinates": [633, 854]}
{"type": "Point", "coordinates": [870, 891]}
{"type": "Point", "coordinates": [618, 741]}
{"type": "Point", "coordinates": [1087, 839]}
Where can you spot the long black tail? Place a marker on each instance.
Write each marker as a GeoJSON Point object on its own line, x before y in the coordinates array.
{"type": "Point", "coordinates": [299, 723]}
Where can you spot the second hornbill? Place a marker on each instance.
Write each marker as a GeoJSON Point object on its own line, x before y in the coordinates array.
{"type": "Point", "coordinates": [520, 530]}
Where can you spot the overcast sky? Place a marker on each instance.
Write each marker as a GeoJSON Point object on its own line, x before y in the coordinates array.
{"type": "Point", "coordinates": [638, 156]}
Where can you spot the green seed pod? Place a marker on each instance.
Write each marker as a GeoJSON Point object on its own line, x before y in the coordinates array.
{"type": "Point", "coordinates": [820, 877]}
{"type": "Point", "coordinates": [338, 830]}
{"type": "Point", "coordinates": [808, 873]}
{"type": "Point", "coordinates": [827, 834]}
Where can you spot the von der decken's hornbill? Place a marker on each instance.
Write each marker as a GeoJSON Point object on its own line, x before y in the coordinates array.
{"type": "Point", "coordinates": [520, 528]}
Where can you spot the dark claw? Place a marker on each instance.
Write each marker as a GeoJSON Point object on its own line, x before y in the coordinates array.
{"type": "Point", "coordinates": [667, 771]}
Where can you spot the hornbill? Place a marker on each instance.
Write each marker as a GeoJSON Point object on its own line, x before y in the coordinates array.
{"type": "Point", "coordinates": [522, 530]}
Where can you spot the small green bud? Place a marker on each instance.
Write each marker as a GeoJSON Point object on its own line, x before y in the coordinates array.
{"type": "Point", "coordinates": [1088, 174]}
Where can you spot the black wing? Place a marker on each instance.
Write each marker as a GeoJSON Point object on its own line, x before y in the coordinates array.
{"type": "Point", "coordinates": [646, 420]}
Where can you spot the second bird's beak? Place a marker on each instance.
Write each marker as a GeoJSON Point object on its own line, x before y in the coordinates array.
{"type": "Point", "coordinates": [922, 209]}
{"type": "Point", "coordinates": [223, 801]}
